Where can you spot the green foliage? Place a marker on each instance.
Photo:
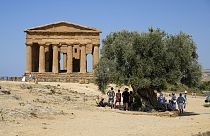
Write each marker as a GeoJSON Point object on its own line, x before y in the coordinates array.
{"type": "Point", "coordinates": [152, 59]}
{"type": "Point", "coordinates": [205, 85]}
{"type": "Point", "coordinates": [102, 77]}
{"type": "Point", "coordinates": [177, 88]}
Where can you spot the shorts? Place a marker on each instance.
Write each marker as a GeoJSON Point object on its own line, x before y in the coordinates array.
{"type": "Point", "coordinates": [125, 100]}
{"type": "Point", "coordinates": [181, 105]}
{"type": "Point", "coordinates": [111, 100]}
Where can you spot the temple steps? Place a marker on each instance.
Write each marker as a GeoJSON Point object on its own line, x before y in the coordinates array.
{"type": "Point", "coordinates": [62, 77]}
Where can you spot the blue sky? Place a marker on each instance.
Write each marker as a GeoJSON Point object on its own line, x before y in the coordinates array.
{"type": "Point", "coordinates": [190, 16]}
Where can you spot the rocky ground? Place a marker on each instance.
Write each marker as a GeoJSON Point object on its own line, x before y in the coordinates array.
{"type": "Point", "coordinates": [63, 109]}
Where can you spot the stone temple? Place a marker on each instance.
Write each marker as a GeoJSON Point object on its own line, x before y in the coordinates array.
{"type": "Point", "coordinates": [47, 44]}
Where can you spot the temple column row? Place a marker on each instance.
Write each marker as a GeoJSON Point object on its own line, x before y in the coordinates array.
{"type": "Point", "coordinates": [68, 58]}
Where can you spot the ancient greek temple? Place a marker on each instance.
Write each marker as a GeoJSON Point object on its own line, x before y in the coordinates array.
{"type": "Point", "coordinates": [47, 44]}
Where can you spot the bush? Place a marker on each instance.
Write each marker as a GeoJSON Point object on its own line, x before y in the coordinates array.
{"type": "Point", "coordinates": [177, 88]}
{"type": "Point", "coordinates": [205, 85]}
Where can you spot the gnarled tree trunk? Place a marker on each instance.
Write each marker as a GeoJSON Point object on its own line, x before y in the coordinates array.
{"type": "Point", "coordinates": [148, 98]}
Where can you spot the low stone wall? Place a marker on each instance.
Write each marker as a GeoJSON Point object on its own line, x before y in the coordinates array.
{"type": "Point", "coordinates": [5, 78]}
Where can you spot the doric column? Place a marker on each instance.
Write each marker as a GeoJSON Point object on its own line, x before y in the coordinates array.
{"type": "Point", "coordinates": [95, 55]}
{"type": "Point", "coordinates": [41, 59]}
{"type": "Point", "coordinates": [69, 59]}
{"type": "Point", "coordinates": [83, 60]}
{"type": "Point", "coordinates": [64, 61]}
{"type": "Point", "coordinates": [55, 59]}
{"type": "Point", "coordinates": [47, 58]}
{"type": "Point", "coordinates": [59, 58]}
{"type": "Point", "coordinates": [28, 58]}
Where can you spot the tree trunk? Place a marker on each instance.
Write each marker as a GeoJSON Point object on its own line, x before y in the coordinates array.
{"type": "Point", "coordinates": [148, 98]}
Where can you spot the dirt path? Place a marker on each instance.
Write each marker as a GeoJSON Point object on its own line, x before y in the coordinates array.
{"type": "Point", "coordinates": [59, 115]}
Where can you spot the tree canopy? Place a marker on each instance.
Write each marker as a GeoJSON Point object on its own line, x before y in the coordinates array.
{"type": "Point", "coordinates": [150, 60]}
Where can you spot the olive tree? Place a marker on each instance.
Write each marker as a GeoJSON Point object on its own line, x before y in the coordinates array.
{"type": "Point", "coordinates": [148, 61]}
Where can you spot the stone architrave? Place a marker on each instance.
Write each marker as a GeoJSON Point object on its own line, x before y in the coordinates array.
{"type": "Point", "coordinates": [83, 59]}
{"type": "Point", "coordinates": [55, 59]}
{"type": "Point", "coordinates": [41, 59]}
{"type": "Point", "coordinates": [69, 58]}
{"type": "Point", "coordinates": [28, 58]}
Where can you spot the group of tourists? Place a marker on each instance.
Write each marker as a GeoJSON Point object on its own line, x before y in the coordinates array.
{"type": "Point", "coordinates": [30, 78]}
{"type": "Point", "coordinates": [128, 100]}
{"type": "Point", "coordinates": [115, 98]}
{"type": "Point", "coordinates": [171, 105]}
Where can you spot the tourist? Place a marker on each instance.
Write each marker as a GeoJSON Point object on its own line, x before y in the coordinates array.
{"type": "Point", "coordinates": [30, 77]}
{"type": "Point", "coordinates": [24, 78]}
{"type": "Point", "coordinates": [130, 100]}
{"type": "Point", "coordinates": [111, 95]}
{"type": "Point", "coordinates": [180, 103]}
{"type": "Point", "coordinates": [102, 103]}
{"type": "Point", "coordinates": [173, 101]}
{"type": "Point", "coordinates": [185, 94]}
{"type": "Point", "coordinates": [125, 96]}
{"type": "Point", "coordinates": [185, 97]}
{"type": "Point", "coordinates": [193, 94]}
{"type": "Point", "coordinates": [162, 101]}
{"type": "Point", "coordinates": [118, 98]}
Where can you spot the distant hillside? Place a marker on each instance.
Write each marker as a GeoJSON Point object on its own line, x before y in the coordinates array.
{"type": "Point", "coordinates": [206, 75]}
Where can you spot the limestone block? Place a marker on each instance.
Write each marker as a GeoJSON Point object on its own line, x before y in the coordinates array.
{"type": "Point", "coordinates": [89, 48]}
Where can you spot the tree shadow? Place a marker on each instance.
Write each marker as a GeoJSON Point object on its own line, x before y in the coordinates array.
{"type": "Point", "coordinates": [188, 114]}
{"type": "Point", "coordinates": [203, 134]}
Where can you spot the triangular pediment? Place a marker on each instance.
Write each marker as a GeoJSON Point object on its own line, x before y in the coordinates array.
{"type": "Point", "coordinates": [63, 27]}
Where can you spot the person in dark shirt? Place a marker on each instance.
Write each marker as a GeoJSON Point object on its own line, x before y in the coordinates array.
{"type": "Point", "coordinates": [125, 96]}
{"type": "Point", "coordinates": [131, 99]}
{"type": "Point", "coordinates": [101, 103]}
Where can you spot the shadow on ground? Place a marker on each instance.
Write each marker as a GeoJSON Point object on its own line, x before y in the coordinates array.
{"type": "Point", "coordinates": [189, 114]}
{"type": "Point", "coordinates": [203, 134]}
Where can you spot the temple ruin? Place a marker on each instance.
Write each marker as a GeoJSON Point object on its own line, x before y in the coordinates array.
{"type": "Point", "coordinates": [46, 45]}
